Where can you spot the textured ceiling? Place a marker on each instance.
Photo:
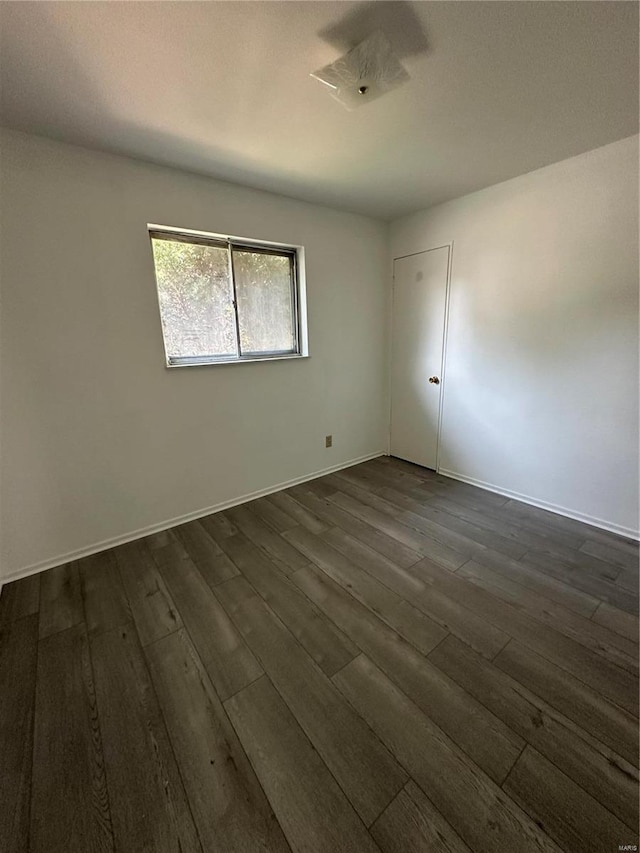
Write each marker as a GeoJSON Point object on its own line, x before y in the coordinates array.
{"type": "Point", "coordinates": [223, 88]}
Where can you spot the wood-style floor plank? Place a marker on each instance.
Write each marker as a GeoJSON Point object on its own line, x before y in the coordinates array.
{"type": "Point", "coordinates": [596, 768]}
{"type": "Point", "coordinates": [613, 540]}
{"type": "Point", "coordinates": [396, 466]}
{"type": "Point", "coordinates": [400, 554]}
{"type": "Point", "coordinates": [599, 587]}
{"type": "Point", "coordinates": [196, 540]}
{"type": "Point", "coordinates": [619, 685]}
{"type": "Point", "coordinates": [436, 607]}
{"type": "Point", "coordinates": [371, 561]}
{"type": "Point", "coordinates": [60, 599]}
{"type": "Point", "coordinates": [296, 512]}
{"type": "Point", "coordinates": [321, 487]}
{"type": "Point", "coordinates": [616, 620]}
{"type": "Point", "coordinates": [444, 534]}
{"type": "Point", "coordinates": [205, 553]}
{"type": "Point", "coordinates": [579, 561]}
{"type": "Point", "coordinates": [500, 523]}
{"type": "Point", "coordinates": [462, 493]}
{"type": "Point", "coordinates": [616, 649]}
{"type": "Point", "coordinates": [69, 799]}
{"type": "Point", "coordinates": [623, 558]}
{"type": "Point", "coordinates": [159, 539]}
{"type": "Point", "coordinates": [361, 585]}
{"type": "Point", "coordinates": [414, 539]}
{"type": "Point", "coordinates": [226, 657]}
{"type": "Point", "coordinates": [532, 516]}
{"type": "Point", "coordinates": [477, 809]}
{"type": "Point", "coordinates": [567, 813]}
{"type": "Point", "coordinates": [272, 515]}
{"type": "Point", "coordinates": [629, 579]}
{"type": "Point", "coordinates": [265, 537]}
{"type": "Point", "coordinates": [19, 598]}
{"type": "Point", "coordinates": [489, 742]}
{"type": "Point", "coordinates": [149, 808]}
{"type": "Point", "coordinates": [105, 602]}
{"type": "Point", "coordinates": [375, 477]}
{"type": "Point", "coordinates": [506, 526]}
{"type": "Point", "coordinates": [314, 813]}
{"type": "Point", "coordinates": [414, 625]}
{"type": "Point", "coordinates": [328, 646]}
{"type": "Point", "coordinates": [217, 569]}
{"type": "Point", "coordinates": [461, 621]}
{"type": "Point", "coordinates": [350, 483]}
{"type": "Point", "coordinates": [416, 515]}
{"type": "Point", "coordinates": [410, 824]}
{"type": "Point", "coordinates": [532, 578]}
{"type": "Point", "coordinates": [366, 772]}
{"type": "Point", "coordinates": [218, 526]}
{"type": "Point", "coordinates": [229, 807]}
{"type": "Point", "coordinates": [472, 532]}
{"type": "Point", "coordinates": [573, 698]}
{"type": "Point", "coordinates": [18, 658]}
{"type": "Point", "coordinates": [153, 609]}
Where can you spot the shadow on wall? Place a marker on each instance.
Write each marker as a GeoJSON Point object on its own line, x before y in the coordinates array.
{"type": "Point", "coordinates": [541, 353]}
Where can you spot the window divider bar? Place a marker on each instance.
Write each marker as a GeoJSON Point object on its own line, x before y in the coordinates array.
{"type": "Point", "coordinates": [235, 297]}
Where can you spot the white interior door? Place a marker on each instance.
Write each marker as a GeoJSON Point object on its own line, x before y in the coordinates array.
{"type": "Point", "coordinates": [419, 305]}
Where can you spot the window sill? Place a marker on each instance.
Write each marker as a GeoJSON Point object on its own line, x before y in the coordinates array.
{"type": "Point", "coordinates": [226, 361]}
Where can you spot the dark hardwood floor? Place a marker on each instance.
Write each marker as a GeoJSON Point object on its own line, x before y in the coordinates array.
{"type": "Point", "coordinates": [380, 659]}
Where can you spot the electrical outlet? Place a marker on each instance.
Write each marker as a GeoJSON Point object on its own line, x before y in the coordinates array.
{"type": "Point", "coordinates": [328, 441]}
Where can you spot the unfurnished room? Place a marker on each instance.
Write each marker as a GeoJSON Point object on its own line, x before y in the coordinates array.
{"type": "Point", "coordinates": [319, 429]}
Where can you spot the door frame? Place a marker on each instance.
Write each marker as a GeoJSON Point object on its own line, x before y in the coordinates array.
{"type": "Point", "coordinates": [445, 336]}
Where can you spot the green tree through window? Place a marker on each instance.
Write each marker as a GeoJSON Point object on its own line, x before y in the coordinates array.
{"type": "Point", "coordinates": [197, 284]}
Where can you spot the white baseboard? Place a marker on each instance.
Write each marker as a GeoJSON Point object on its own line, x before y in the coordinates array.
{"type": "Point", "coordinates": [172, 522]}
{"type": "Point", "coordinates": [629, 532]}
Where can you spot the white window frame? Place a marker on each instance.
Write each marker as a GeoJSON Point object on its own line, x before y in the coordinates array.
{"type": "Point", "coordinates": [298, 295]}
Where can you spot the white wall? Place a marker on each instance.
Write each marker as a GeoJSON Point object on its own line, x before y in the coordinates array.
{"type": "Point", "coordinates": [99, 439]}
{"type": "Point", "coordinates": [541, 388]}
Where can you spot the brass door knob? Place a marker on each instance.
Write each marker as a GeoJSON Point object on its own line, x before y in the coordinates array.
{"type": "Point", "coordinates": [434, 380]}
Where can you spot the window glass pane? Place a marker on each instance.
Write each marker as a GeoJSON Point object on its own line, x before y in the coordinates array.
{"type": "Point", "coordinates": [195, 298]}
{"type": "Point", "coordinates": [265, 308]}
